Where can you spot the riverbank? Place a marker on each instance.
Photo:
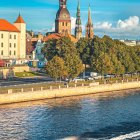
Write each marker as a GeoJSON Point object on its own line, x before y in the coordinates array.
{"type": "Point", "coordinates": [65, 92]}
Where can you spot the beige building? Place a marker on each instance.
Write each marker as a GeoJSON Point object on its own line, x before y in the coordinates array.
{"type": "Point", "coordinates": [13, 39]}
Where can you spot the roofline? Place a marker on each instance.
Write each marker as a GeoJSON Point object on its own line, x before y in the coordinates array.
{"type": "Point", "coordinates": [10, 31]}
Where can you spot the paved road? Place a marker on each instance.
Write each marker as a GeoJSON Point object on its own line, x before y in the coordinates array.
{"type": "Point", "coordinates": [20, 81]}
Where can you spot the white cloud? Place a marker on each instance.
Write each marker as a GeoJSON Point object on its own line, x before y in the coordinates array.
{"type": "Point", "coordinates": [73, 21]}
{"type": "Point", "coordinates": [132, 22]}
{"type": "Point", "coordinates": [126, 28]}
{"type": "Point", "coordinates": [103, 25]}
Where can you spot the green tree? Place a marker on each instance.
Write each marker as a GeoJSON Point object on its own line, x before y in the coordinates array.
{"type": "Point", "coordinates": [74, 65]}
{"type": "Point", "coordinates": [56, 68]}
{"type": "Point", "coordinates": [66, 50]}
{"type": "Point", "coordinates": [103, 64]}
{"type": "Point", "coordinates": [85, 50]}
{"type": "Point", "coordinates": [118, 68]}
{"type": "Point", "coordinates": [49, 49]}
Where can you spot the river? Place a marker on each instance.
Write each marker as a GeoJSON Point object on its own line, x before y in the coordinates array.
{"type": "Point", "coordinates": [102, 116]}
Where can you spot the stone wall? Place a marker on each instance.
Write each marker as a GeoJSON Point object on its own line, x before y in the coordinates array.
{"type": "Point", "coordinates": [7, 72]}
{"type": "Point", "coordinates": [65, 92]}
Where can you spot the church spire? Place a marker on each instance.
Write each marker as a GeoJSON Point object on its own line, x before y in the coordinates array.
{"type": "Point", "coordinates": [63, 19]}
{"type": "Point", "coordinates": [89, 26]}
{"type": "Point", "coordinates": [78, 7]}
{"type": "Point", "coordinates": [62, 3]}
{"type": "Point", "coordinates": [89, 15]}
{"type": "Point", "coordinates": [78, 29]}
{"type": "Point", "coordinates": [19, 19]}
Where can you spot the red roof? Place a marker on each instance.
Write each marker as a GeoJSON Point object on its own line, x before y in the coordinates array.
{"type": "Point", "coordinates": [7, 26]}
{"type": "Point", "coordinates": [58, 36]}
{"type": "Point", "coordinates": [19, 20]}
{"type": "Point", "coordinates": [52, 36]}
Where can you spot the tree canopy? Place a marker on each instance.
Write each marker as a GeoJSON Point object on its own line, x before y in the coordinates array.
{"type": "Point", "coordinates": [66, 50]}
{"type": "Point", "coordinates": [102, 55]}
{"type": "Point", "coordinates": [108, 56]}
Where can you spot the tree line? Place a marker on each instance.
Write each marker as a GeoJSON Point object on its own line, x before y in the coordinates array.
{"type": "Point", "coordinates": [102, 55]}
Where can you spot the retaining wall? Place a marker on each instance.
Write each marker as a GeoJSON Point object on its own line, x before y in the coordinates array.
{"type": "Point", "coordinates": [65, 92]}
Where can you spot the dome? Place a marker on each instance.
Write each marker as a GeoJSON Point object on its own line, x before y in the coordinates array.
{"type": "Point", "coordinates": [63, 14]}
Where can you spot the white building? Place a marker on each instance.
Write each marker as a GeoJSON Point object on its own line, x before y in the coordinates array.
{"type": "Point", "coordinates": [13, 39]}
{"type": "Point", "coordinates": [129, 42]}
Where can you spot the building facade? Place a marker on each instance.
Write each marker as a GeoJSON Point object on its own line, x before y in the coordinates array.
{"type": "Point", "coordinates": [63, 19]}
{"type": "Point", "coordinates": [78, 28]}
{"type": "Point", "coordinates": [89, 26]}
{"type": "Point", "coordinates": [13, 39]}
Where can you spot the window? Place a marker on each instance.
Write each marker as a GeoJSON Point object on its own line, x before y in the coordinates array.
{"type": "Point", "coordinates": [14, 52]}
{"type": "Point", "coordinates": [14, 45]}
{"type": "Point", "coordinates": [66, 24]}
{"type": "Point", "coordinates": [63, 24]}
{"type": "Point", "coordinates": [2, 52]}
{"type": "Point", "coordinates": [1, 44]}
{"type": "Point", "coordinates": [10, 36]}
{"type": "Point", "coordinates": [10, 45]}
{"type": "Point", "coordinates": [10, 53]}
{"type": "Point", "coordinates": [14, 36]}
{"type": "Point", "coordinates": [1, 35]}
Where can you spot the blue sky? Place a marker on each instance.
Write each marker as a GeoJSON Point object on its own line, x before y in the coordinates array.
{"type": "Point", "coordinates": [117, 18]}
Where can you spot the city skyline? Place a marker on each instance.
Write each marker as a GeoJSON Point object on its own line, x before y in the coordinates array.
{"type": "Point", "coordinates": [112, 17]}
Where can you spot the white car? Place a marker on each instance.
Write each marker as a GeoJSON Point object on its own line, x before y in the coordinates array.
{"type": "Point", "coordinates": [98, 77]}
{"type": "Point", "coordinates": [78, 79]}
{"type": "Point", "coordinates": [89, 78]}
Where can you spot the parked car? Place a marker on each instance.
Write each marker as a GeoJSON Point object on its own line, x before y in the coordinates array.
{"type": "Point", "coordinates": [88, 78]}
{"type": "Point", "coordinates": [98, 77]}
{"type": "Point", "coordinates": [78, 79]}
{"type": "Point", "coordinates": [109, 76]}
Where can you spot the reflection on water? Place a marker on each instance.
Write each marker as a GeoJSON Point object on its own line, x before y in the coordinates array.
{"type": "Point", "coordinates": [94, 116]}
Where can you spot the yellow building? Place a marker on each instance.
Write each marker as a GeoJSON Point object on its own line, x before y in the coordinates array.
{"type": "Point", "coordinates": [13, 39]}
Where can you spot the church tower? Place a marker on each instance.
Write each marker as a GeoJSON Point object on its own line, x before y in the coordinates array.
{"type": "Point", "coordinates": [63, 19]}
{"type": "Point", "coordinates": [78, 28]}
{"type": "Point", "coordinates": [89, 26]}
{"type": "Point", "coordinates": [21, 26]}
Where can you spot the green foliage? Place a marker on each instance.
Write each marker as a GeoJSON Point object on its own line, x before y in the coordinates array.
{"type": "Point", "coordinates": [103, 55]}
{"type": "Point", "coordinates": [108, 56]}
{"type": "Point", "coordinates": [50, 49]}
{"type": "Point", "coordinates": [56, 68]}
{"type": "Point", "coordinates": [74, 65]}
{"type": "Point", "coordinates": [66, 50]}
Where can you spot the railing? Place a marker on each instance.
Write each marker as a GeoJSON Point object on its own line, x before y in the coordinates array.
{"type": "Point", "coordinates": [46, 86]}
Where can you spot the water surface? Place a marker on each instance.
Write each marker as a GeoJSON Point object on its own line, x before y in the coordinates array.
{"type": "Point", "coordinates": [101, 116]}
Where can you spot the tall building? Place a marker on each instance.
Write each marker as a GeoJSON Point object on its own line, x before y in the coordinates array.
{"type": "Point", "coordinates": [63, 19]}
{"type": "Point", "coordinates": [78, 28]}
{"type": "Point", "coordinates": [13, 39]}
{"type": "Point", "coordinates": [89, 26]}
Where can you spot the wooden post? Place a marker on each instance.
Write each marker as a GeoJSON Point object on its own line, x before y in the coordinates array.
{"type": "Point", "coordinates": [50, 87]}
{"type": "Point", "coordinates": [75, 85]}
{"type": "Point", "coordinates": [67, 86]}
{"type": "Point", "coordinates": [10, 91]}
{"type": "Point", "coordinates": [59, 87]}
{"type": "Point", "coordinates": [32, 89]}
{"type": "Point", "coordinates": [41, 88]}
{"type": "Point", "coordinates": [22, 90]}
